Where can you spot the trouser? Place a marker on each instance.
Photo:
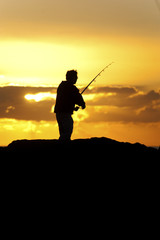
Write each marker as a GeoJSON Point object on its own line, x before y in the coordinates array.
{"type": "Point", "coordinates": [65, 124]}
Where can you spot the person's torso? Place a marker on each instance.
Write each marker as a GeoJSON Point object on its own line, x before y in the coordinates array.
{"type": "Point", "coordinates": [65, 100]}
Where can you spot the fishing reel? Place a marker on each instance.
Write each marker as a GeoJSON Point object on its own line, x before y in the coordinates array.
{"type": "Point", "coordinates": [76, 108]}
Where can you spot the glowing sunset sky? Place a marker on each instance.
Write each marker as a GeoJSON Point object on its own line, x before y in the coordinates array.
{"type": "Point", "coordinates": [41, 39]}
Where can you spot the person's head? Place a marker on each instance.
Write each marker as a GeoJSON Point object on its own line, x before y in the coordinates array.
{"type": "Point", "coordinates": [72, 76]}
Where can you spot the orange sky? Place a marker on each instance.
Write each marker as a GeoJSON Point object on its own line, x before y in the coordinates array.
{"type": "Point", "coordinates": [41, 39]}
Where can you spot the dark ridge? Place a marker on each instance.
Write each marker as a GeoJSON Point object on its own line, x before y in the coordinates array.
{"type": "Point", "coordinates": [103, 148]}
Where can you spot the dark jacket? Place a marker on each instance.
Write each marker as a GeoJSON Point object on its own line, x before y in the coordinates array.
{"type": "Point", "coordinates": [67, 96]}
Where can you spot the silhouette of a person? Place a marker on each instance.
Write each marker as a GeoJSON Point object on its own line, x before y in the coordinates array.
{"type": "Point", "coordinates": [67, 96]}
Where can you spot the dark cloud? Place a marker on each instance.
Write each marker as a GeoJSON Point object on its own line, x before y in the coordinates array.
{"type": "Point", "coordinates": [14, 105]}
{"type": "Point", "coordinates": [124, 104]}
{"type": "Point", "coordinates": [125, 115]}
{"type": "Point", "coordinates": [112, 104]}
{"type": "Point", "coordinates": [123, 97]}
{"type": "Point", "coordinates": [117, 90]}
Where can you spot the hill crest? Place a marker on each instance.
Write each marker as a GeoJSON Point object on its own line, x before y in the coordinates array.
{"type": "Point", "coordinates": [87, 147]}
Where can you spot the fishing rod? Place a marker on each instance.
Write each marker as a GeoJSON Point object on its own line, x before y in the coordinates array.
{"type": "Point", "coordinates": [76, 108]}
{"type": "Point", "coordinates": [96, 77]}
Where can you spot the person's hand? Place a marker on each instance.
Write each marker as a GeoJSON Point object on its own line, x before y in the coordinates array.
{"type": "Point", "coordinates": [84, 106]}
{"type": "Point", "coordinates": [76, 108]}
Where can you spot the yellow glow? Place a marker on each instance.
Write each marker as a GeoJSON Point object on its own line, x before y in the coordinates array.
{"type": "Point", "coordinates": [88, 97]}
{"type": "Point", "coordinates": [80, 116]}
{"type": "Point", "coordinates": [12, 129]}
{"type": "Point", "coordinates": [42, 63]}
{"type": "Point", "coordinates": [42, 96]}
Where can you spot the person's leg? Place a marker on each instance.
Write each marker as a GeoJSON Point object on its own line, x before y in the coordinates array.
{"type": "Point", "coordinates": [65, 123]}
{"type": "Point", "coordinates": [59, 118]}
{"type": "Point", "coordinates": [69, 128]}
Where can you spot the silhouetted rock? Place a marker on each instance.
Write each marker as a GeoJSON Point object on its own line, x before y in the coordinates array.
{"type": "Point", "coordinates": [99, 148]}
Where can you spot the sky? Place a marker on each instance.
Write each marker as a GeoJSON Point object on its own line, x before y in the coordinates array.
{"type": "Point", "coordinates": [41, 39]}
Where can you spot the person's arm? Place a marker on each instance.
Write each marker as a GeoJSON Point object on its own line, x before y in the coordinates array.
{"type": "Point", "coordinates": [79, 99]}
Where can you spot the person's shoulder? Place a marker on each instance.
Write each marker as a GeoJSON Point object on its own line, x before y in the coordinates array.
{"type": "Point", "coordinates": [62, 84]}
{"type": "Point", "coordinates": [75, 88]}
{"type": "Point", "coordinates": [72, 87]}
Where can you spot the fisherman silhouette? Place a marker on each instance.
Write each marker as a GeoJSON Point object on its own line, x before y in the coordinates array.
{"type": "Point", "coordinates": [67, 96]}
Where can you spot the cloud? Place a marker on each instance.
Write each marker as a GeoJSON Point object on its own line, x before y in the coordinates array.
{"type": "Point", "coordinates": [117, 90]}
{"type": "Point", "coordinates": [124, 104]}
{"type": "Point", "coordinates": [125, 115]}
{"type": "Point", "coordinates": [14, 105]}
{"type": "Point", "coordinates": [123, 97]}
{"type": "Point", "coordinates": [104, 104]}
